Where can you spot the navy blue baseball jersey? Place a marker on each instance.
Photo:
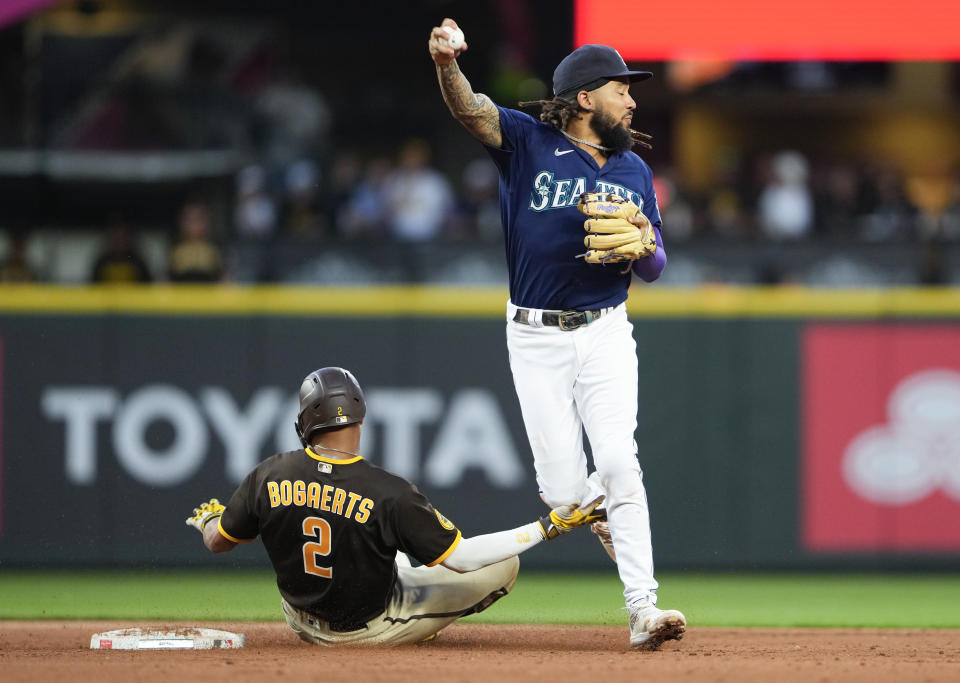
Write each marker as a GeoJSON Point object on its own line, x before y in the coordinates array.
{"type": "Point", "coordinates": [542, 175]}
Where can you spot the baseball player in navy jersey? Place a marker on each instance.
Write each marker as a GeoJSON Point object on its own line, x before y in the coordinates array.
{"type": "Point", "coordinates": [571, 347]}
{"type": "Point", "coordinates": [338, 531]}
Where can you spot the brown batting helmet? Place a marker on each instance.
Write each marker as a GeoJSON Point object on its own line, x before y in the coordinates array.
{"type": "Point", "coordinates": [329, 397]}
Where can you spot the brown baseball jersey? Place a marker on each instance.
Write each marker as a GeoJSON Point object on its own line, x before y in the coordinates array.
{"type": "Point", "coordinates": [332, 529]}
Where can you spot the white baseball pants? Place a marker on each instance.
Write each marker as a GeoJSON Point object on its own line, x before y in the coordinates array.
{"type": "Point", "coordinates": [581, 380]}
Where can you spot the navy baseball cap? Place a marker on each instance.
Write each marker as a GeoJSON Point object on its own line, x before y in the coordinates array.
{"type": "Point", "coordinates": [590, 63]}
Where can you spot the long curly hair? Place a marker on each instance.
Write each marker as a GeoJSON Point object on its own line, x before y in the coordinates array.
{"type": "Point", "coordinates": [559, 112]}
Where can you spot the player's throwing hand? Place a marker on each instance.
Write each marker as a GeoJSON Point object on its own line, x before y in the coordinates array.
{"type": "Point", "coordinates": [440, 50]}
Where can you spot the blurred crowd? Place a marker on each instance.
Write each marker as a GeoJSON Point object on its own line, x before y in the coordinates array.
{"type": "Point", "coordinates": [404, 199]}
{"type": "Point", "coordinates": [193, 257]}
{"type": "Point", "coordinates": [786, 197]}
{"type": "Point", "coordinates": [779, 197]}
{"type": "Point", "coordinates": [862, 223]}
{"type": "Point", "coordinates": [295, 185]}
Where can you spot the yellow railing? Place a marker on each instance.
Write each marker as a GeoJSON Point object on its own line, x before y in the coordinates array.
{"type": "Point", "coordinates": [657, 302]}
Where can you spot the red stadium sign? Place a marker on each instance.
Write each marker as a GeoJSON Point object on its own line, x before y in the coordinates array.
{"type": "Point", "coordinates": [760, 30]}
{"type": "Point", "coordinates": [881, 426]}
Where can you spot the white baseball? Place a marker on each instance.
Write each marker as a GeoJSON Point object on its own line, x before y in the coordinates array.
{"type": "Point", "coordinates": [454, 37]}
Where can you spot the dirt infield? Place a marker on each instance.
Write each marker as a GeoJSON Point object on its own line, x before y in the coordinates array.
{"type": "Point", "coordinates": [58, 651]}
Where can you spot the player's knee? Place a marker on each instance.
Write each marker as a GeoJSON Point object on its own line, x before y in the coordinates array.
{"type": "Point", "coordinates": [554, 496]}
{"type": "Point", "coordinates": [497, 579]}
{"type": "Point", "coordinates": [511, 568]}
{"type": "Point", "coordinates": [622, 477]}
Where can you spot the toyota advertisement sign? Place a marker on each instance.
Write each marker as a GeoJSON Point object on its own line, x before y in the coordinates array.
{"type": "Point", "coordinates": [114, 426]}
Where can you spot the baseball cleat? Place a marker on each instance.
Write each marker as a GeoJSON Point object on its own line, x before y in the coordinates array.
{"type": "Point", "coordinates": [429, 640]}
{"type": "Point", "coordinates": [602, 531]}
{"type": "Point", "coordinates": [651, 627]}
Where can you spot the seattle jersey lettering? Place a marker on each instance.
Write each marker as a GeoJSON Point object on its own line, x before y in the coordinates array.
{"type": "Point", "coordinates": [559, 194]}
{"type": "Point", "coordinates": [326, 497]}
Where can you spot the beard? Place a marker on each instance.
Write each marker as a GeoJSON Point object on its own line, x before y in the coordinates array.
{"type": "Point", "coordinates": [611, 133]}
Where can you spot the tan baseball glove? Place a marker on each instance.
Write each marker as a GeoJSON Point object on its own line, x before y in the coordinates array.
{"type": "Point", "coordinates": [611, 236]}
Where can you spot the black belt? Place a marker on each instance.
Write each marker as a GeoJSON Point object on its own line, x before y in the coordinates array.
{"type": "Point", "coordinates": [565, 320]}
{"type": "Point", "coordinates": [342, 626]}
{"type": "Point", "coordinates": [345, 626]}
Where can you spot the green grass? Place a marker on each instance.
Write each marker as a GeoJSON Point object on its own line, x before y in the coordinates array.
{"type": "Point", "coordinates": [900, 601]}
{"type": "Point", "coordinates": [876, 601]}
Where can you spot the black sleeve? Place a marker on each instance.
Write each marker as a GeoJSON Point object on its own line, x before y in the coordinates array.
{"type": "Point", "coordinates": [421, 530]}
{"type": "Point", "coordinates": [240, 522]}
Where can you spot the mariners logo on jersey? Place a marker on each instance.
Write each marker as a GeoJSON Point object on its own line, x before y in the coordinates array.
{"type": "Point", "coordinates": [550, 193]}
{"type": "Point", "coordinates": [540, 170]}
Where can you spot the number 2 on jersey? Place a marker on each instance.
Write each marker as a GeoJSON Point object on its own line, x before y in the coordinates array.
{"type": "Point", "coordinates": [318, 528]}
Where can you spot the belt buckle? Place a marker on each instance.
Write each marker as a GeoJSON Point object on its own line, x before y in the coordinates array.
{"type": "Point", "coordinates": [579, 319]}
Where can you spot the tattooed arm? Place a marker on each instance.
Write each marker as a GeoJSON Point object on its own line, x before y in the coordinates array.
{"type": "Point", "coordinates": [475, 111]}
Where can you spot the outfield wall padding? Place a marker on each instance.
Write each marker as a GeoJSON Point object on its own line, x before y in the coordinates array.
{"type": "Point", "coordinates": [119, 414]}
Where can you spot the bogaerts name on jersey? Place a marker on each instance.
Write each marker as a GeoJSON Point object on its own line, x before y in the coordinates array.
{"type": "Point", "coordinates": [320, 497]}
